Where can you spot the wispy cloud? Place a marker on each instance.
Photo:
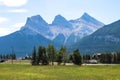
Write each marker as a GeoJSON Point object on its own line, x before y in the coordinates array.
{"type": "Point", "coordinates": [3, 19]}
{"type": "Point", "coordinates": [18, 10]}
{"type": "Point", "coordinates": [3, 32]}
{"type": "Point", "coordinates": [18, 25]}
{"type": "Point", "coordinates": [13, 3]}
{"type": "Point", "coordinates": [10, 29]}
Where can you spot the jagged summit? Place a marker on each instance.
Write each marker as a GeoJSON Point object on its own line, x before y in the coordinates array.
{"type": "Point", "coordinates": [36, 25]}
{"type": "Point", "coordinates": [86, 16]}
{"type": "Point", "coordinates": [58, 19]}
{"type": "Point", "coordinates": [37, 19]}
{"type": "Point", "coordinates": [90, 19]}
{"type": "Point", "coordinates": [61, 21]}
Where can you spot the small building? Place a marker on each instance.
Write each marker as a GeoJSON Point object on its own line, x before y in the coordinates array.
{"type": "Point", "coordinates": [96, 56]}
{"type": "Point", "coordinates": [93, 61]}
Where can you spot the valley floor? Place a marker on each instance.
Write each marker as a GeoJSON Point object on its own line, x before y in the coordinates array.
{"type": "Point", "coordinates": [71, 72]}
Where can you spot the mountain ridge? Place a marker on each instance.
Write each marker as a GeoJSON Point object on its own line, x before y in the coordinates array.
{"type": "Point", "coordinates": [105, 39]}
{"type": "Point", "coordinates": [37, 32]}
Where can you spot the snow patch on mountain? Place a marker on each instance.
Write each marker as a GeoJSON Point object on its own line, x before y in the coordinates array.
{"type": "Point", "coordinates": [85, 25]}
{"type": "Point", "coordinates": [57, 30]}
{"type": "Point", "coordinates": [80, 27]}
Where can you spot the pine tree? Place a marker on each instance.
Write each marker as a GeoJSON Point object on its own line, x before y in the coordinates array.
{"type": "Point", "coordinates": [77, 59]}
{"type": "Point", "coordinates": [33, 60]}
{"type": "Point", "coordinates": [44, 57]}
{"type": "Point", "coordinates": [51, 53]}
{"type": "Point", "coordinates": [40, 55]}
{"type": "Point", "coordinates": [59, 57]}
{"type": "Point", "coordinates": [64, 52]}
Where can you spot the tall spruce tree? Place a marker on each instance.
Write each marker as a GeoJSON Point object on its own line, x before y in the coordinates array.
{"type": "Point", "coordinates": [77, 59]}
{"type": "Point", "coordinates": [40, 55]}
{"type": "Point", "coordinates": [51, 53]}
{"type": "Point", "coordinates": [64, 52]}
{"type": "Point", "coordinates": [59, 57]}
{"type": "Point", "coordinates": [44, 57]}
{"type": "Point", "coordinates": [33, 60]}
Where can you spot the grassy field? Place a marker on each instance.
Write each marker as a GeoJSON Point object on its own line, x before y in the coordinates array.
{"type": "Point", "coordinates": [28, 72]}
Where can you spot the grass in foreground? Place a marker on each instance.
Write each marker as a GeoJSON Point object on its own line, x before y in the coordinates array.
{"type": "Point", "coordinates": [28, 72]}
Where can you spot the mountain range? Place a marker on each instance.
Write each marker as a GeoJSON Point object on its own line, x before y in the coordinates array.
{"type": "Point", "coordinates": [37, 31]}
{"type": "Point", "coordinates": [105, 39]}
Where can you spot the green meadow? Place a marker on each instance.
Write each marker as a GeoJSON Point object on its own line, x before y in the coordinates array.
{"type": "Point", "coordinates": [71, 72]}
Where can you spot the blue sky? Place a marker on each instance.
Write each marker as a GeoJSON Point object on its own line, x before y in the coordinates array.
{"type": "Point", "coordinates": [13, 13]}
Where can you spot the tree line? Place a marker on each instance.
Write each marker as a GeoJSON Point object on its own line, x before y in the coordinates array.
{"type": "Point", "coordinates": [7, 56]}
{"type": "Point", "coordinates": [110, 58]}
{"type": "Point", "coordinates": [49, 55]}
{"type": "Point", "coordinates": [106, 57]}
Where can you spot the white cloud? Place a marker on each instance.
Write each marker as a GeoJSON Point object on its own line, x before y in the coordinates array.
{"type": "Point", "coordinates": [1, 2]}
{"type": "Point", "coordinates": [17, 26]}
{"type": "Point", "coordinates": [18, 10]}
{"type": "Point", "coordinates": [7, 30]}
{"type": "Point", "coordinates": [4, 31]}
{"type": "Point", "coordinates": [3, 19]}
{"type": "Point", "coordinates": [13, 3]}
